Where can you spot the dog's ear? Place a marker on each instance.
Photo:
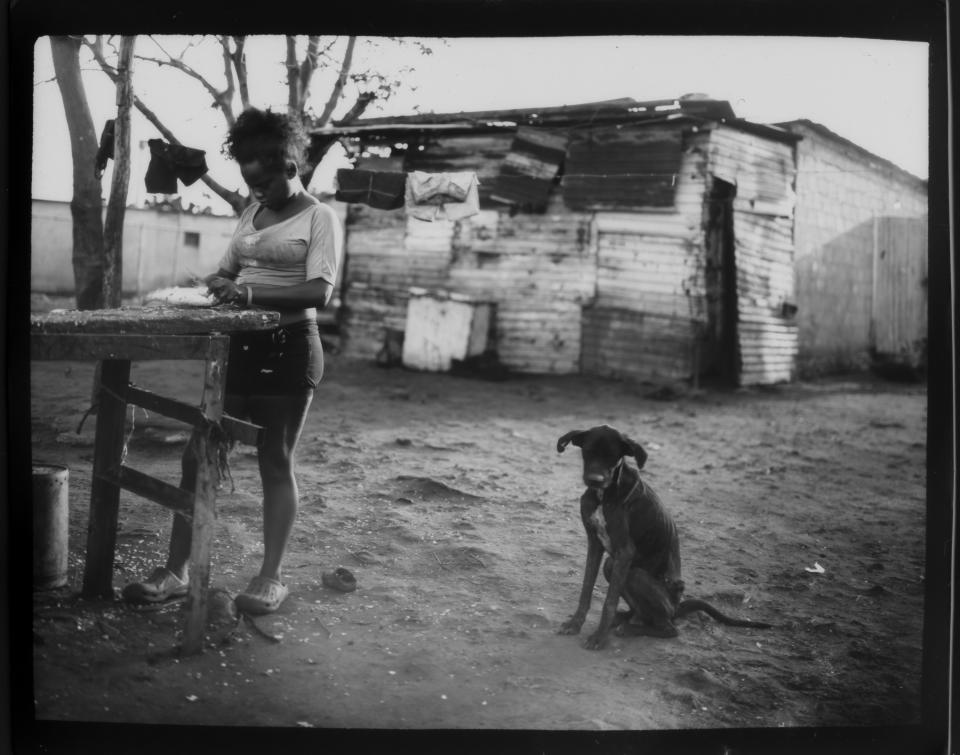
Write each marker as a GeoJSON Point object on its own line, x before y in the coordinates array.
{"type": "Point", "coordinates": [634, 449]}
{"type": "Point", "coordinates": [574, 436]}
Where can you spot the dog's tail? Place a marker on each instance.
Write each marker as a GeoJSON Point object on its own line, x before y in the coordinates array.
{"type": "Point", "coordinates": [691, 605]}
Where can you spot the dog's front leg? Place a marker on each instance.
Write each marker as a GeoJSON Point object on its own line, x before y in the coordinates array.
{"type": "Point", "coordinates": [590, 569]}
{"type": "Point", "coordinates": [618, 578]}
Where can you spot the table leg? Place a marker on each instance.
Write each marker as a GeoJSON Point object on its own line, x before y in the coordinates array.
{"type": "Point", "coordinates": [105, 495]}
{"type": "Point", "coordinates": [204, 508]}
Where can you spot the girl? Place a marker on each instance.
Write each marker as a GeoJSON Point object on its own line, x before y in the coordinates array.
{"type": "Point", "coordinates": [283, 256]}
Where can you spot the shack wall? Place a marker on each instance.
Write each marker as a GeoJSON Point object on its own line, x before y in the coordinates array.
{"type": "Point", "coordinates": [644, 323]}
{"type": "Point", "coordinates": [841, 189]}
{"type": "Point", "coordinates": [763, 172]}
{"type": "Point", "coordinates": [538, 269]}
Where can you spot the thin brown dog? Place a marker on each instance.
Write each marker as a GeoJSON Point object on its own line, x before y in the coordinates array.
{"type": "Point", "coordinates": [624, 517]}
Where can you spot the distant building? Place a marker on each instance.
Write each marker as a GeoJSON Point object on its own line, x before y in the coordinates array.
{"type": "Point", "coordinates": [160, 248]}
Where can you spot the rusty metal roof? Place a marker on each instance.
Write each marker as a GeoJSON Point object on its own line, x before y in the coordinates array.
{"type": "Point", "coordinates": [586, 115]}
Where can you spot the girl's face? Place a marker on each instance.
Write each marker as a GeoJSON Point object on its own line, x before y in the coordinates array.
{"type": "Point", "coordinates": [272, 186]}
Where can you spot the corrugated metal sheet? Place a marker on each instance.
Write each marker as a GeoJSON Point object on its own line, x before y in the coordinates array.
{"type": "Point", "coordinates": [618, 168]}
{"type": "Point", "coordinates": [528, 171]}
{"type": "Point", "coordinates": [899, 311]}
{"type": "Point", "coordinates": [763, 172]}
{"type": "Point", "coordinates": [765, 282]}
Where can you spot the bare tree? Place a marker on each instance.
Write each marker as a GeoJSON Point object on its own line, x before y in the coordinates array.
{"type": "Point", "coordinates": [236, 200]}
{"type": "Point", "coordinates": [304, 62]}
{"type": "Point", "coordinates": [86, 206]}
{"type": "Point", "coordinates": [117, 205]}
{"type": "Point", "coordinates": [318, 55]}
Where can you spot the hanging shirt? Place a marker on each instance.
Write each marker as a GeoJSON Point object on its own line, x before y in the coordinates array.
{"type": "Point", "coordinates": [169, 162]}
{"type": "Point", "coordinates": [442, 196]}
{"type": "Point", "coordinates": [105, 152]}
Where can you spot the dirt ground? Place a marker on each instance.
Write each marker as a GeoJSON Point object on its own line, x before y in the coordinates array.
{"type": "Point", "coordinates": [447, 499]}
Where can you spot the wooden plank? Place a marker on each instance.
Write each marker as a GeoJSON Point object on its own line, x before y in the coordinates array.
{"type": "Point", "coordinates": [240, 430]}
{"type": "Point", "coordinates": [155, 320]}
{"type": "Point", "coordinates": [105, 495]}
{"type": "Point", "coordinates": [168, 407]}
{"type": "Point", "coordinates": [95, 346]}
{"type": "Point", "coordinates": [145, 486]}
{"type": "Point", "coordinates": [204, 509]}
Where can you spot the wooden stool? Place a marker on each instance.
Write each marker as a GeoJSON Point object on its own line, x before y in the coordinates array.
{"type": "Point", "coordinates": [117, 337]}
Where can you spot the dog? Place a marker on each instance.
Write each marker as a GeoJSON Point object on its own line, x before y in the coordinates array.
{"type": "Point", "coordinates": [624, 517]}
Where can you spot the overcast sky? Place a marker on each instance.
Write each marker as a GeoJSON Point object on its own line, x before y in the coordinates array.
{"type": "Point", "coordinates": [872, 92]}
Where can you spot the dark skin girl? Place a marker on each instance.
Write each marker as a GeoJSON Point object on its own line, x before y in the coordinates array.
{"type": "Point", "coordinates": [280, 191]}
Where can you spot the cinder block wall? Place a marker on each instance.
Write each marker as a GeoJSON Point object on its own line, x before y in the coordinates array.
{"type": "Point", "coordinates": [840, 189]}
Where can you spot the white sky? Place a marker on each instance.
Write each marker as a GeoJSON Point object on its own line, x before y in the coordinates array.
{"type": "Point", "coordinates": [873, 92]}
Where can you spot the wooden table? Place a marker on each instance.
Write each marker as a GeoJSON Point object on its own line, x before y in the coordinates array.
{"type": "Point", "coordinates": [117, 337]}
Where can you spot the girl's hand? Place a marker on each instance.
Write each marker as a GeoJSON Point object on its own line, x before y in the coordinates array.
{"type": "Point", "coordinates": [225, 291]}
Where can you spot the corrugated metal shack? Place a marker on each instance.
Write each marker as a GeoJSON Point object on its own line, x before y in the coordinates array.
{"type": "Point", "coordinates": [644, 240]}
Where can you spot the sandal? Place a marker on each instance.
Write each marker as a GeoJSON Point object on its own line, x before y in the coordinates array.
{"type": "Point", "coordinates": [160, 586]}
{"type": "Point", "coordinates": [341, 579]}
{"type": "Point", "coordinates": [263, 595]}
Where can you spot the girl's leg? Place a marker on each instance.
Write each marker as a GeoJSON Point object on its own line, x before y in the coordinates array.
{"type": "Point", "coordinates": [282, 418]}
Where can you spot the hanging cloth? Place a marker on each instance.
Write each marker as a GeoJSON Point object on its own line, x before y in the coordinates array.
{"type": "Point", "coordinates": [106, 149]}
{"type": "Point", "coordinates": [442, 196]}
{"type": "Point", "coordinates": [382, 190]}
{"type": "Point", "coordinates": [169, 162]}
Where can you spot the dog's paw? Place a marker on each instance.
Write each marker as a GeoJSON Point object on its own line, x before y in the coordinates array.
{"type": "Point", "coordinates": [595, 641]}
{"type": "Point", "coordinates": [572, 626]}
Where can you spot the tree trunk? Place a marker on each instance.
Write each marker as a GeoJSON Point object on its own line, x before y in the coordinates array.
{"type": "Point", "coordinates": [116, 208]}
{"type": "Point", "coordinates": [86, 207]}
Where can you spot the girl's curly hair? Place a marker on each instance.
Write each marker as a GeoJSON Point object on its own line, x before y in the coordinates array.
{"type": "Point", "coordinates": [272, 138]}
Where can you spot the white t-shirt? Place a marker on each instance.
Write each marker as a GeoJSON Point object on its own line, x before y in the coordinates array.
{"type": "Point", "coordinates": [305, 246]}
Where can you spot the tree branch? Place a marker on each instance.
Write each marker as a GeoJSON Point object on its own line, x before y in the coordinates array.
{"type": "Point", "coordinates": [235, 199]}
{"type": "Point", "coordinates": [221, 99]}
{"type": "Point", "coordinates": [293, 74]}
{"type": "Point", "coordinates": [240, 65]}
{"type": "Point", "coordinates": [341, 82]}
{"type": "Point", "coordinates": [307, 67]}
{"type": "Point", "coordinates": [362, 103]}
{"type": "Point", "coordinates": [228, 75]}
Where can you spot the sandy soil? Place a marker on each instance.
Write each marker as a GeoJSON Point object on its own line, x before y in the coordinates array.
{"type": "Point", "coordinates": [447, 499]}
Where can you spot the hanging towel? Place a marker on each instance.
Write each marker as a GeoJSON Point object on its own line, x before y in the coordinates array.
{"type": "Point", "coordinates": [442, 196]}
{"type": "Point", "coordinates": [382, 190]}
{"type": "Point", "coordinates": [106, 149]}
{"type": "Point", "coordinates": [528, 171]}
{"type": "Point", "coordinates": [168, 162]}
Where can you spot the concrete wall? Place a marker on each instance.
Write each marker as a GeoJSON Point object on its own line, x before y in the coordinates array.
{"type": "Point", "coordinates": [158, 248]}
{"type": "Point", "coordinates": [840, 190]}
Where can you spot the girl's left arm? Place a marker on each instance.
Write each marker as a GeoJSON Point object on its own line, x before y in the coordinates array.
{"type": "Point", "coordinates": [312, 293]}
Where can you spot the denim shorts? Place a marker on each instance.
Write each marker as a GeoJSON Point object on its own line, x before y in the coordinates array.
{"type": "Point", "coordinates": [286, 360]}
